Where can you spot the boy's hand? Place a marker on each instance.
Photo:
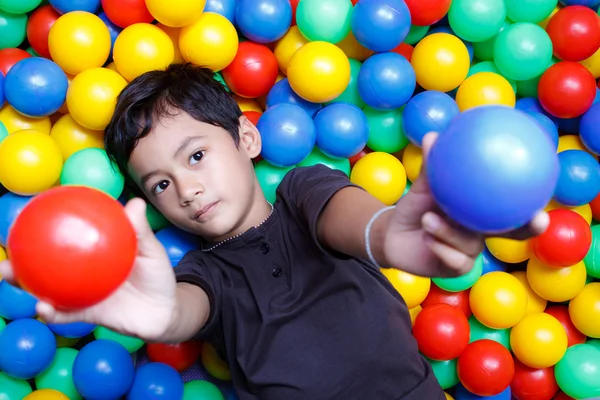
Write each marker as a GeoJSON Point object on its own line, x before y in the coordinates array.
{"type": "Point", "coordinates": [421, 238]}
{"type": "Point", "coordinates": [144, 305]}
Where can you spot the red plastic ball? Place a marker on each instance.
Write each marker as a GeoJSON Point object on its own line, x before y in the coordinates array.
{"type": "Point", "coordinates": [427, 12]}
{"type": "Point", "coordinates": [11, 56]}
{"type": "Point", "coordinates": [485, 368]}
{"type": "Point", "coordinates": [38, 27]}
{"type": "Point", "coordinates": [561, 313]}
{"type": "Point", "coordinates": [562, 396]}
{"type": "Point", "coordinates": [294, 4]}
{"type": "Point", "coordinates": [575, 33]}
{"type": "Point", "coordinates": [72, 246]}
{"type": "Point", "coordinates": [566, 241]}
{"type": "Point", "coordinates": [532, 383]}
{"type": "Point", "coordinates": [567, 89]}
{"type": "Point", "coordinates": [405, 50]}
{"type": "Point", "coordinates": [595, 205]}
{"type": "Point", "coordinates": [127, 12]}
{"type": "Point", "coordinates": [354, 159]}
{"type": "Point", "coordinates": [180, 356]}
{"type": "Point", "coordinates": [253, 116]}
{"type": "Point", "coordinates": [459, 300]}
{"type": "Point", "coordinates": [253, 71]}
{"type": "Point", "coordinates": [442, 332]}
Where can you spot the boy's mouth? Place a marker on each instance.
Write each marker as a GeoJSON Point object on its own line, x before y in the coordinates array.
{"type": "Point", "coordinates": [203, 213]}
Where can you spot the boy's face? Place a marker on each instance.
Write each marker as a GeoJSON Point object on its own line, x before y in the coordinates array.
{"type": "Point", "coordinates": [195, 175]}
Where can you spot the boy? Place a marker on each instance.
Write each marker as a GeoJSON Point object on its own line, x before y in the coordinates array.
{"type": "Point", "coordinates": [283, 291]}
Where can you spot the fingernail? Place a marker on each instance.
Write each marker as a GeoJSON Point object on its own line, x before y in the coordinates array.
{"type": "Point", "coordinates": [430, 222]}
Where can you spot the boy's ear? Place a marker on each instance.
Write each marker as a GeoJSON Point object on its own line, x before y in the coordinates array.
{"type": "Point", "coordinates": [250, 139]}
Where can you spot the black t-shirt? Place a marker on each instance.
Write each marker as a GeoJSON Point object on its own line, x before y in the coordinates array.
{"type": "Point", "coordinates": [296, 321]}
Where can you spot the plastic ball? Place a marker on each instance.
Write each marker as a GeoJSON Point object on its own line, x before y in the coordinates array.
{"type": "Point", "coordinates": [13, 388]}
{"type": "Point", "coordinates": [381, 25]}
{"type": "Point", "coordinates": [214, 364]}
{"type": "Point", "coordinates": [72, 330]}
{"type": "Point", "coordinates": [498, 300]}
{"type": "Point", "coordinates": [412, 288]}
{"type": "Point", "coordinates": [16, 303]}
{"type": "Point", "coordinates": [253, 71]}
{"type": "Point", "coordinates": [36, 78]}
{"type": "Point", "coordinates": [285, 47]}
{"type": "Point", "coordinates": [176, 243]}
{"type": "Point", "coordinates": [353, 49]}
{"type": "Point", "coordinates": [319, 72]}
{"type": "Point", "coordinates": [28, 347]}
{"type": "Point", "coordinates": [575, 33]}
{"type": "Point", "coordinates": [225, 8]}
{"type": "Point", "coordinates": [480, 332]}
{"type": "Point", "coordinates": [516, 190]}
{"type": "Point", "coordinates": [529, 10]}
{"type": "Point", "coordinates": [579, 179]}
{"type": "Point", "coordinates": [19, 6]}
{"type": "Point", "coordinates": [67, 6]}
{"type": "Point", "coordinates": [72, 137]}
{"type": "Point", "coordinates": [533, 383]}
{"type": "Point", "coordinates": [103, 366]}
{"type": "Point", "coordinates": [463, 394]}
{"type": "Point", "coordinates": [288, 134]}
{"type": "Point", "coordinates": [177, 13]}
{"type": "Point", "coordinates": [141, 48]}
{"type": "Point", "coordinates": [584, 310]}
{"type": "Point", "coordinates": [535, 303]}
{"type": "Point", "coordinates": [539, 340]}
{"type": "Point", "coordinates": [269, 177]}
{"type": "Point", "coordinates": [38, 28]}
{"type": "Point", "coordinates": [490, 66]}
{"type": "Point", "coordinates": [95, 89]}
{"type": "Point", "coordinates": [103, 252]}
{"type": "Point", "coordinates": [592, 63]}
{"type": "Point", "coordinates": [326, 20]}
{"type": "Point", "coordinates": [179, 356]}
{"type": "Point", "coordinates": [476, 20]}
{"type": "Point", "coordinates": [9, 57]}
{"type": "Point", "coordinates": [445, 372]}
{"type": "Point", "coordinates": [567, 89]}
{"type": "Point", "coordinates": [485, 368]}
{"type": "Point", "coordinates": [211, 41]}
{"type": "Point", "coordinates": [441, 62]}
{"type": "Point", "coordinates": [128, 13]}
{"type": "Point", "coordinates": [590, 129]}
{"type": "Point", "coordinates": [556, 284]}
{"type": "Point", "coordinates": [198, 389]}
{"type": "Point", "coordinates": [263, 21]}
{"type": "Point", "coordinates": [78, 41]}
{"type": "Point", "coordinates": [131, 344]}
{"type": "Point", "coordinates": [428, 111]}
{"type": "Point", "coordinates": [508, 250]}
{"type": "Point", "coordinates": [13, 28]}
{"type": "Point", "coordinates": [156, 380]}
{"type": "Point", "coordinates": [592, 259]}
{"type": "Point", "coordinates": [342, 130]}
{"type": "Point", "coordinates": [282, 92]}
{"type": "Point", "coordinates": [46, 394]}
{"type": "Point", "coordinates": [92, 168]}
{"type": "Point", "coordinates": [11, 206]}
{"type": "Point", "coordinates": [522, 51]}
{"type": "Point", "coordinates": [385, 130]}
{"type": "Point", "coordinates": [462, 282]}
{"type": "Point", "coordinates": [381, 175]}
{"type": "Point", "coordinates": [425, 13]}
{"type": "Point", "coordinates": [459, 300]}
{"type": "Point", "coordinates": [485, 88]}
{"type": "Point", "coordinates": [412, 159]}
{"type": "Point", "coordinates": [561, 313]}
{"type": "Point", "coordinates": [578, 372]}
{"type": "Point", "coordinates": [386, 81]}
{"type": "Point", "coordinates": [442, 332]}
{"type": "Point", "coordinates": [548, 125]}
{"type": "Point", "coordinates": [316, 156]}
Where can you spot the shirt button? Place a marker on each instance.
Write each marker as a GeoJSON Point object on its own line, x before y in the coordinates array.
{"type": "Point", "coordinates": [277, 272]}
{"type": "Point", "coordinates": [264, 248]}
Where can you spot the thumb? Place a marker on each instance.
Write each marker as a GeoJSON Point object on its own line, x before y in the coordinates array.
{"type": "Point", "coordinates": [421, 183]}
{"type": "Point", "coordinates": [136, 212]}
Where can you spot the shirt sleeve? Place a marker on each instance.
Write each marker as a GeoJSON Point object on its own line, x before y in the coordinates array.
{"type": "Point", "coordinates": [307, 190]}
{"type": "Point", "coordinates": [191, 269]}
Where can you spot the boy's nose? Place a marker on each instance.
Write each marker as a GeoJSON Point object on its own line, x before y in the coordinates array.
{"type": "Point", "coordinates": [189, 191]}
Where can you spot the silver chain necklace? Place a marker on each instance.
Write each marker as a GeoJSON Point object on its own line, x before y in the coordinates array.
{"type": "Point", "coordinates": [239, 234]}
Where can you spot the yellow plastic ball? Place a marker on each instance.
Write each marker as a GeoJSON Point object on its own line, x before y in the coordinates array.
{"type": "Point", "coordinates": [556, 284]}
{"type": "Point", "coordinates": [585, 210]}
{"type": "Point", "coordinates": [539, 340]}
{"type": "Point", "coordinates": [113, 67]}
{"type": "Point", "coordinates": [140, 48]}
{"type": "Point", "coordinates": [46, 394]}
{"type": "Point", "coordinates": [448, 397]}
{"type": "Point", "coordinates": [381, 175]}
{"type": "Point", "coordinates": [498, 300]}
{"type": "Point", "coordinates": [2, 253]}
{"type": "Point", "coordinates": [584, 310]}
{"type": "Point", "coordinates": [92, 97]}
{"type": "Point", "coordinates": [509, 250]}
{"type": "Point", "coordinates": [287, 46]}
{"type": "Point", "coordinates": [14, 121]}
{"type": "Point", "coordinates": [485, 88]}
{"type": "Point", "coordinates": [211, 41]}
{"type": "Point", "coordinates": [412, 159]}
{"type": "Point", "coordinates": [30, 162]}
{"type": "Point", "coordinates": [319, 72]}
{"type": "Point", "coordinates": [79, 40]}
{"type": "Point", "coordinates": [414, 312]}
{"type": "Point", "coordinates": [544, 23]}
{"type": "Point", "coordinates": [246, 104]}
{"type": "Point", "coordinates": [175, 13]}
{"type": "Point", "coordinates": [570, 142]}
{"type": "Point", "coordinates": [412, 288]}
{"type": "Point", "coordinates": [593, 64]}
{"type": "Point", "coordinates": [213, 363]}
{"type": "Point", "coordinates": [353, 49]}
{"type": "Point", "coordinates": [72, 137]}
{"type": "Point", "coordinates": [62, 341]}
{"type": "Point", "coordinates": [535, 303]}
{"type": "Point", "coordinates": [173, 34]}
{"type": "Point", "coordinates": [441, 62]}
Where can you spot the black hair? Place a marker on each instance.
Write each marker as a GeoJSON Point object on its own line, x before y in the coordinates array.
{"type": "Point", "coordinates": [164, 93]}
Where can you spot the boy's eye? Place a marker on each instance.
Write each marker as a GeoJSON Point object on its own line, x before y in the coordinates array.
{"type": "Point", "coordinates": [196, 157]}
{"type": "Point", "coordinates": [160, 187]}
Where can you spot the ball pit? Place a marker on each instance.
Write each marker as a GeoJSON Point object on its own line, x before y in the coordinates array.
{"type": "Point", "coordinates": [360, 83]}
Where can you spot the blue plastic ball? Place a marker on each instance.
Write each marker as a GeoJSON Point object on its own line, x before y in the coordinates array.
{"type": "Point", "coordinates": [36, 87]}
{"type": "Point", "coordinates": [380, 25]}
{"type": "Point", "coordinates": [429, 111]}
{"type": "Point", "coordinates": [464, 394]}
{"type": "Point", "coordinates": [288, 134]}
{"type": "Point", "coordinates": [11, 206]}
{"type": "Point", "coordinates": [579, 179]}
{"type": "Point", "coordinates": [493, 169]}
{"type": "Point", "coordinates": [156, 381]}
{"type": "Point", "coordinates": [2, 97]}
{"type": "Point", "coordinates": [282, 92]}
{"type": "Point", "coordinates": [27, 347]}
{"type": "Point", "coordinates": [73, 329]}
{"type": "Point", "coordinates": [114, 31]}
{"type": "Point", "coordinates": [224, 7]}
{"type": "Point", "coordinates": [386, 81]}
{"type": "Point", "coordinates": [103, 370]}
{"type": "Point", "coordinates": [548, 126]}
{"type": "Point", "coordinates": [177, 243]}
{"type": "Point", "coordinates": [16, 303]}
{"type": "Point", "coordinates": [342, 130]}
{"type": "Point", "coordinates": [586, 3]}
{"type": "Point", "coordinates": [491, 263]}
{"type": "Point", "coordinates": [532, 104]}
{"type": "Point", "coordinates": [589, 128]}
{"type": "Point", "coordinates": [263, 21]}
{"type": "Point", "coordinates": [65, 6]}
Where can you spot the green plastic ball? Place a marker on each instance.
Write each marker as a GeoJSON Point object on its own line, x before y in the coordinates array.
{"type": "Point", "coordinates": [464, 282]}
{"type": "Point", "coordinates": [92, 167]}
{"type": "Point", "coordinates": [324, 20]}
{"type": "Point", "coordinates": [219, 78]}
{"type": "Point", "coordinates": [529, 87]}
{"type": "Point", "coordinates": [316, 156]}
{"type": "Point", "coordinates": [480, 331]}
{"type": "Point", "coordinates": [3, 132]}
{"type": "Point", "coordinates": [490, 66]}
{"type": "Point", "coordinates": [59, 375]}
{"type": "Point", "coordinates": [11, 388]}
{"type": "Point", "coordinates": [31, 51]}
{"type": "Point", "coordinates": [578, 372]}
{"type": "Point", "coordinates": [445, 372]}
{"type": "Point", "coordinates": [592, 259]}
{"type": "Point", "coordinates": [386, 133]}
{"type": "Point", "coordinates": [132, 344]}
{"type": "Point", "coordinates": [484, 51]}
{"type": "Point", "coordinates": [350, 94]}
{"type": "Point", "coordinates": [13, 29]}
{"type": "Point", "coordinates": [594, 342]}
{"type": "Point", "coordinates": [19, 6]}
{"type": "Point", "coordinates": [201, 390]}
{"type": "Point", "coordinates": [529, 10]}
{"type": "Point", "coordinates": [476, 20]}
{"type": "Point", "coordinates": [269, 177]}
{"type": "Point", "coordinates": [523, 51]}
{"type": "Point", "coordinates": [415, 34]}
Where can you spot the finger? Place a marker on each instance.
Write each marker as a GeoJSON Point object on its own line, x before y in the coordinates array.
{"type": "Point", "coordinates": [421, 185]}
{"type": "Point", "coordinates": [456, 261]}
{"type": "Point", "coordinates": [427, 143]}
{"type": "Point", "coordinates": [462, 240]}
{"type": "Point", "coordinates": [535, 227]}
{"type": "Point", "coordinates": [52, 316]}
{"type": "Point", "coordinates": [136, 212]}
{"type": "Point", "coordinates": [7, 272]}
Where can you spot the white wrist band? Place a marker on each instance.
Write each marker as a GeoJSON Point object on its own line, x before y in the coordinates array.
{"type": "Point", "coordinates": [368, 232]}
